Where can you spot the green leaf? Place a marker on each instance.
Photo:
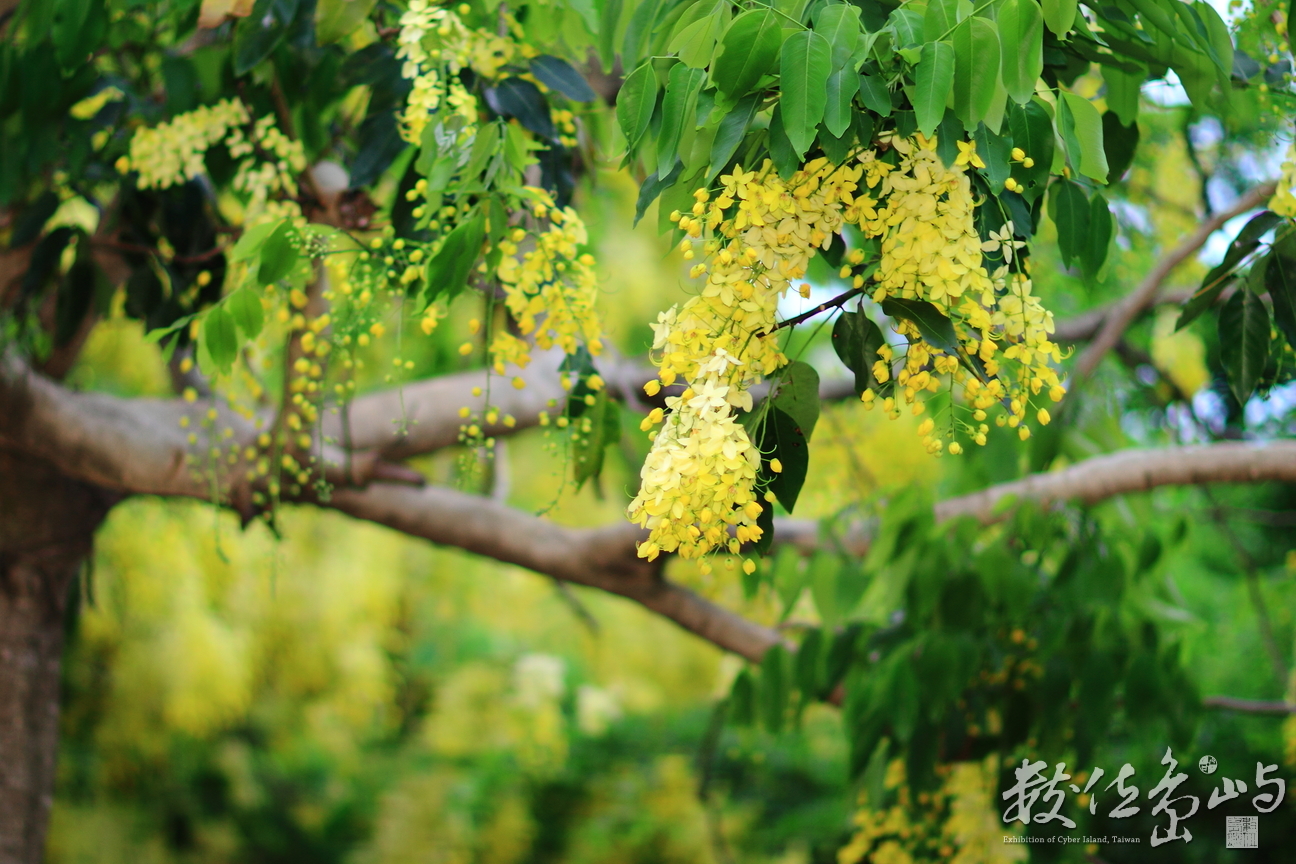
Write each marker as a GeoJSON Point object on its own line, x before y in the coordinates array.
{"type": "Point", "coordinates": [1021, 39]}
{"type": "Point", "coordinates": [448, 270]}
{"type": "Point", "coordinates": [996, 152]}
{"type": "Point", "coordinates": [907, 25]}
{"type": "Point", "coordinates": [774, 691]}
{"type": "Point", "coordinates": [257, 35]}
{"type": "Point", "coordinates": [798, 396]}
{"type": "Point", "coordinates": [557, 74]}
{"type": "Point", "coordinates": [824, 571]}
{"type": "Point", "coordinates": [936, 329]}
{"type": "Point", "coordinates": [1246, 242]}
{"type": "Point", "coordinates": [976, 69]}
{"type": "Point", "coordinates": [742, 700]}
{"type": "Point", "coordinates": [840, 25]}
{"type": "Point", "coordinates": [942, 17]}
{"type": "Point", "coordinates": [1098, 238]}
{"type": "Point", "coordinates": [1032, 131]}
{"type": "Point", "coordinates": [780, 148]}
{"type": "Point", "coordinates": [1059, 15]}
{"type": "Point", "coordinates": [588, 447]}
{"type": "Point", "coordinates": [1068, 207]}
{"type": "Point", "coordinates": [749, 51]}
{"type": "Point", "coordinates": [804, 66]}
{"type": "Point", "coordinates": [1244, 342]}
{"type": "Point", "coordinates": [1082, 127]}
{"type": "Point", "coordinates": [638, 32]}
{"type": "Point", "coordinates": [1119, 143]}
{"type": "Point", "coordinates": [778, 436]}
{"type": "Point", "coordinates": [245, 307]}
{"type": "Point", "coordinates": [486, 144]}
{"type": "Point", "coordinates": [519, 98]}
{"type": "Point", "coordinates": [874, 94]}
{"type": "Point", "coordinates": [219, 336]}
{"type": "Point", "coordinates": [696, 43]}
{"type": "Point", "coordinates": [933, 80]}
{"type": "Point", "coordinates": [337, 19]}
{"type": "Point", "coordinates": [635, 103]}
{"type": "Point", "coordinates": [678, 111]}
{"type": "Point", "coordinates": [730, 134]}
{"type": "Point", "coordinates": [856, 339]}
{"type": "Point", "coordinates": [1123, 90]}
{"type": "Point", "coordinates": [809, 664]}
{"type": "Point", "coordinates": [1280, 282]}
{"type": "Point", "coordinates": [278, 255]}
{"type": "Point", "coordinates": [608, 21]}
{"type": "Point", "coordinates": [652, 187]}
{"type": "Point", "coordinates": [842, 85]}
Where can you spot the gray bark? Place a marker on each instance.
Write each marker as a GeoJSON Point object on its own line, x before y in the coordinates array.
{"type": "Point", "coordinates": [47, 524]}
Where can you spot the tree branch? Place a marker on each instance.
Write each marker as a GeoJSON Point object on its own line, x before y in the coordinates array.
{"type": "Point", "coordinates": [1139, 470]}
{"type": "Point", "coordinates": [1123, 314]}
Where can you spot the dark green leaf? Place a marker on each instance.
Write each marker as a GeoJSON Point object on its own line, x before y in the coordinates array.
{"type": "Point", "coordinates": [32, 222]}
{"type": "Point", "coordinates": [652, 187]}
{"type": "Point", "coordinates": [730, 134]}
{"type": "Point", "coordinates": [588, 447]}
{"type": "Point", "coordinates": [1119, 143]}
{"type": "Point", "coordinates": [1069, 209]}
{"type": "Point", "coordinates": [448, 270]}
{"type": "Point", "coordinates": [519, 98]}
{"type": "Point", "coordinates": [1244, 342]}
{"type": "Point", "coordinates": [557, 74]}
{"type": "Point", "coordinates": [635, 103]}
{"type": "Point", "coordinates": [809, 664]}
{"type": "Point", "coordinates": [742, 700]}
{"type": "Point", "coordinates": [1280, 282]}
{"type": "Point", "coordinates": [378, 143]}
{"type": "Point", "coordinates": [932, 83]}
{"type": "Point", "coordinates": [874, 94]}
{"type": "Point", "coordinates": [780, 148]}
{"type": "Point", "coordinates": [996, 153]}
{"type": "Point", "coordinates": [798, 396]}
{"type": "Point", "coordinates": [774, 691]}
{"type": "Point", "coordinates": [1032, 131]}
{"type": "Point", "coordinates": [278, 255]}
{"type": "Point", "coordinates": [856, 340]}
{"type": "Point", "coordinates": [936, 329]}
{"type": "Point", "coordinates": [1246, 242]}
{"type": "Point", "coordinates": [1098, 238]}
{"type": "Point", "coordinates": [779, 437]}
{"type": "Point", "coordinates": [257, 35]}
{"type": "Point", "coordinates": [749, 51]}
{"type": "Point", "coordinates": [608, 21]}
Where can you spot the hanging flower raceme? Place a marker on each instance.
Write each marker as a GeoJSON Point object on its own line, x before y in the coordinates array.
{"type": "Point", "coordinates": [1283, 201]}
{"type": "Point", "coordinates": [550, 288]}
{"type": "Point", "coordinates": [922, 211]}
{"type": "Point", "coordinates": [436, 45]}
{"type": "Point", "coordinates": [699, 478]}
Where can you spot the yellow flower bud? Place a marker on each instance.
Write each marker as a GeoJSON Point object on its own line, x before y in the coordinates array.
{"type": "Point", "coordinates": [465, 349]}
{"type": "Point", "coordinates": [955, 448]}
{"type": "Point", "coordinates": [1023, 432]}
{"type": "Point", "coordinates": [776, 466]}
{"type": "Point", "coordinates": [1043, 417]}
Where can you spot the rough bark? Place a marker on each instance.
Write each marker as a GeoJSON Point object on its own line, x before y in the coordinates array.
{"type": "Point", "coordinates": [47, 524]}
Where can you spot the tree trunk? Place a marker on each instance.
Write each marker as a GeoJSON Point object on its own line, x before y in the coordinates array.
{"type": "Point", "coordinates": [47, 524]}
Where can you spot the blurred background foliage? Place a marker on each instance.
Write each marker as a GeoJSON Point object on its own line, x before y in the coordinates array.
{"type": "Point", "coordinates": [347, 694]}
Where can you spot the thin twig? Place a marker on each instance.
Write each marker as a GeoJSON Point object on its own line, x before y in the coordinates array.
{"type": "Point", "coordinates": [1249, 706]}
{"type": "Point", "coordinates": [806, 316]}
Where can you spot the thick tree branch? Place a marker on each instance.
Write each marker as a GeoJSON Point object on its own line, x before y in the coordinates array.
{"type": "Point", "coordinates": [1123, 314]}
{"type": "Point", "coordinates": [1106, 476]}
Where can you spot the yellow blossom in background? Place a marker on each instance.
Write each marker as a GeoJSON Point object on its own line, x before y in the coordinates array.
{"type": "Point", "coordinates": [1283, 201]}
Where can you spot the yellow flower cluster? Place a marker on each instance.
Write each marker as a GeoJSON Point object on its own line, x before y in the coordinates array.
{"type": "Point", "coordinates": [930, 250]}
{"type": "Point", "coordinates": [550, 288]}
{"type": "Point", "coordinates": [701, 471]}
{"type": "Point", "coordinates": [261, 179]}
{"type": "Point", "coordinates": [1283, 201]}
{"type": "Point", "coordinates": [173, 152]}
{"type": "Point", "coordinates": [435, 45]}
{"type": "Point", "coordinates": [699, 478]}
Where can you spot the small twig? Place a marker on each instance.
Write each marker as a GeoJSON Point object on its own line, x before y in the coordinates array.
{"type": "Point", "coordinates": [822, 307]}
{"type": "Point", "coordinates": [1249, 706]}
{"type": "Point", "coordinates": [578, 608]}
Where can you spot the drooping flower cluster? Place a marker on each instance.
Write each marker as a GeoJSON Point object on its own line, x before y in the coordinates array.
{"type": "Point", "coordinates": [1283, 201]}
{"type": "Point", "coordinates": [550, 288]}
{"type": "Point", "coordinates": [931, 251]}
{"type": "Point", "coordinates": [700, 476]}
{"type": "Point", "coordinates": [435, 46]}
{"type": "Point", "coordinates": [173, 152]}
